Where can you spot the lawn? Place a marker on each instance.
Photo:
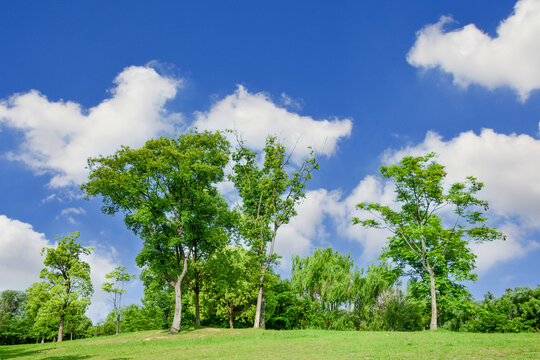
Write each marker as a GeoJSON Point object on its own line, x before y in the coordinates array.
{"type": "Point", "coordinates": [208, 343]}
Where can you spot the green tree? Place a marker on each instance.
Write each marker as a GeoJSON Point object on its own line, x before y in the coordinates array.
{"type": "Point", "coordinates": [394, 310]}
{"type": "Point", "coordinates": [437, 255]}
{"type": "Point", "coordinates": [43, 324]}
{"type": "Point", "coordinates": [269, 196]}
{"type": "Point", "coordinates": [292, 311]}
{"type": "Point", "coordinates": [515, 311]}
{"type": "Point", "coordinates": [69, 279]}
{"type": "Point", "coordinates": [369, 286]}
{"type": "Point", "coordinates": [116, 289]}
{"type": "Point", "coordinates": [166, 191]}
{"type": "Point", "coordinates": [158, 300]}
{"type": "Point", "coordinates": [212, 232]}
{"type": "Point", "coordinates": [326, 278]}
{"type": "Point", "coordinates": [229, 288]}
{"type": "Point", "coordinates": [13, 320]}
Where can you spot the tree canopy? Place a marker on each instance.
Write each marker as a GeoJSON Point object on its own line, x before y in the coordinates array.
{"type": "Point", "coordinates": [166, 191]}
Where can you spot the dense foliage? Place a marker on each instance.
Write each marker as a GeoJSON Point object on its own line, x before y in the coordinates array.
{"type": "Point", "coordinates": [434, 255]}
{"type": "Point", "coordinates": [270, 193]}
{"type": "Point", "coordinates": [166, 191]}
{"type": "Point", "coordinates": [206, 264]}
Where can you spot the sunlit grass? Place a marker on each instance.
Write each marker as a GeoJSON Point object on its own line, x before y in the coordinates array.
{"type": "Point", "coordinates": [208, 343]}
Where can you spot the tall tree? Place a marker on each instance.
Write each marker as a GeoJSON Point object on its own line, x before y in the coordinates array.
{"type": "Point", "coordinates": [166, 190]}
{"type": "Point", "coordinates": [269, 196]}
{"type": "Point", "coordinates": [435, 254]}
{"type": "Point", "coordinates": [116, 289]}
{"type": "Point", "coordinates": [69, 278]}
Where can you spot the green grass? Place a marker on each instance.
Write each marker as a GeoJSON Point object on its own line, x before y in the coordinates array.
{"type": "Point", "coordinates": [207, 343]}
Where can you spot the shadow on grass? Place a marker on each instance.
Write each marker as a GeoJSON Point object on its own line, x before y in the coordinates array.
{"type": "Point", "coordinates": [67, 357]}
{"type": "Point", "coordinates": [21, 353]}
{"type": "Point", "coordinates": [18, 353]}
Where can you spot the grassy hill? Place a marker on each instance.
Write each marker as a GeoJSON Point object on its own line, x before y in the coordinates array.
{"type": "Point", "coordinates": [209, 343]}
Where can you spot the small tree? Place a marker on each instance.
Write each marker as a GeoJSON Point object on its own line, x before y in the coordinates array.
{"type": "Point", "coordinates": [116, 289]}
{"type": "Point", "coordinates": [69, 278]}
{"type": "Point", "coordinates": [269, 197]}
{"type": "Point", "coordinates": [436, 254]}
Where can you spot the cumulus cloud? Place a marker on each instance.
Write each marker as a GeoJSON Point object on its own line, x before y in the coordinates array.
{"type": "Point", "coordinates": [20, 259]}
{"type": "Point", "coordinates": [508, 165]}
{"type": "Point", "coordinates": [369, 189]}
{"type": "Point", "coordinates": [472, 56]}
{"type": "Point", "coordinates": [298, 236]}
{"type": "Point", "coordinates": [517, 245]}
{"type": "Point", "coordinates": [255, 116]}
{"type": "Point", "coordinates": [59, 136]}
{"type": "Point", "coordinates": [21, 262]}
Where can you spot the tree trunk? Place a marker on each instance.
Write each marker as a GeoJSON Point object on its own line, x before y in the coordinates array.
{"type": "Point", "coordinates": [433, 323]}
{"type": "Point", "coordinates": [117, 324]}
{"type": "Point", "coordinates": [231, 316]}
{"type": "Point", "coordinates": [177, 319]}
{"type": "Point", "coordinates": [71, 335]}
{"type": "Point", "coordinates": [197, 290]}
{"type": "Point", "coordinates": [259, 310]}
{"type": "Point", "coordinates": [61, 328]}
{"type": "Point", "coordinates": [197, 311]}
{"type": "Point", "coordinates": [43, 340]}
{"type": "Point", "coordinates": [262, 320]}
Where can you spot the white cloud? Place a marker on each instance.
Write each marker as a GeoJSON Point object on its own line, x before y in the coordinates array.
{"type": "Point", "coordinates": [72, 210]}
{"type": "Point", "coordinates": [472, 56]}
{"type": "Point", "coordinates": [508, 165]}
{"type": "Point", "coordinates": [255, 116]}
{"type": "Point", "coordinates": [60, 136]}
{"type": "Point", "coordinates": [52, 197]}
{"type": "Point", "coordinates": [69, 212]}
{"type": "Point", "coordinates": [515, 246]}
{"type": "Point", "coordinates": [297, 237]}
{"type": "Point", "coordinates": [101, 261]}
{"type": "Point", "coordinates": [21, 262]}
{"type": "Point", "coordinates": [20, 259]}
{"type": "Point", "coordinates": [369, 189]}
{"type": "Point", "coordinates": [287, 101]}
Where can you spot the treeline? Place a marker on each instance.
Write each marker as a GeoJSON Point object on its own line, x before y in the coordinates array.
{"type": "Point", "coordinates": [325, 292]}
{"type": "Point", "coordinates": [206, 261]}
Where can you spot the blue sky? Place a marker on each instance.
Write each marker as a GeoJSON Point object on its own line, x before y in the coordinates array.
{"type": "Point", "coordinates": [363, 82]}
